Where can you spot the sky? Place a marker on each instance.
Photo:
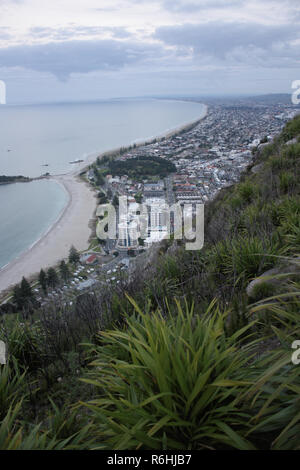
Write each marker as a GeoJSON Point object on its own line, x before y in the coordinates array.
{"type": "Point", "coordinates": [61, 50]}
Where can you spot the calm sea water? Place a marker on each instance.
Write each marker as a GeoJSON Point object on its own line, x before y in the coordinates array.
{"type": "Point", "coordinates": [27, 210]}
{"type": "Point", "coordinates": [32, 136]}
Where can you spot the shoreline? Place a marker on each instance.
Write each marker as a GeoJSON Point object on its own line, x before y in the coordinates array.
{"type": "Point", "coordinates": [72, 227]}
{"type": "Point", "coordinates": [90, 159]}
{"type": "Point", "coordinates": [73, 224]}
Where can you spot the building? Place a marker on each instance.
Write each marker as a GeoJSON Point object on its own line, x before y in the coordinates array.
{"type": "Point", "coordinates": [127, 234]}
{"type": "Point", "coordinates": [158, 221]}
{"type": "Point", "coordinates": [91, 260]}
{"type": "Point", "coordinates": [157, 213]}
{"type": "Point", "coordinates": [154, 190]}
{"type": "Point", "coordinates": [155, 236]}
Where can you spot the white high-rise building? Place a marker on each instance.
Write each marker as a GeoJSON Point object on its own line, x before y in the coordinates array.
{"type": "Point", "coordinates": [157, 221]}
{"type": "Point", "coordinates": [128, 234]}
{"type": "Point", "coordinates": [150, 221]}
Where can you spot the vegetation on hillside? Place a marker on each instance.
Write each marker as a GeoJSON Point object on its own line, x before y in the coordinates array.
{"type": "Point", "coordinates": [194, 352]}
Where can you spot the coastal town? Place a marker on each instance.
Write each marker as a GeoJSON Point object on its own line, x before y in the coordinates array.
{"type": "Point", "coordinates": [189, 167]}
{"type": "Point", "coordinates": [149, 230]}
{"type": "Point", "coordinates": [210, 156]}
{"type": "Point", "coordinates": [206, 158]}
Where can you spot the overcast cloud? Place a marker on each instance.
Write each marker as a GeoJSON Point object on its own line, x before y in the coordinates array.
{"type": "Point", "coordinates": [126, 47]}
{"type": "Point", "coordinates": [67, 57]}
{"type": "Point", "coordinates": [245, 43]}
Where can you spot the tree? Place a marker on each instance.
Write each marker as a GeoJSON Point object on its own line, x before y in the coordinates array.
{"type": "Point", "coordinates": [22, 294]}
{"type": "Point", "coordinates": [26, 289]}
{"type": "Point", "coordinates": [98, 176]}
{"type": "Point", "coordinates": [115, 201]}
{"type": "Point", "coordinates": [74, 256]}
{"type": "Point", "coordinates": [100, 181]}
{"type": "Point", "coordinates": [64, 271]}
{"type": "Point", "coordinates": [52, 277]}
{"type": "Point", "coordinates": [43, 280]}
{"type": "Point", "coordinates": [17, 296]}
{"type": "Point", "coordinates": [138, 197]}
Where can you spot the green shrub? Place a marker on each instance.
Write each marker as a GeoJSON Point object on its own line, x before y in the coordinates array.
{"type": "Point", "coordinates": [262, 290]}
{"type": "Point", "coordinates": [266, 152]}
{"type": "Point", "coordinates": [170, 384]}
{"type": "Point", "coordinates": [67, 423]}
{"type": "Point", "coordinates": [13, 386]}
{"type": "Point", "coordinates": [15, 435]}
{"type": "Point", "coordinates": [279, 414]}
{"type": "Point", "coordinates": [254, 217]}
{"type": "Point", "coordinates": [291, 130]}
{"type": "Point", "coordinates": [23, 342]}
{"type": "Point", "coordinates": [243, 258]}
{"type": "Point", "coordinates": [247, 191]}
{"type": "Point", "coordinates": [236, 202]}
{"type": "Point", "coordinates": [278, 163]}
{"type": "Point", "coordinates": [170, 268]}
{"type": "Point", "coordinates": [286, 181]}
{"type": "Point", "coordinates": [286, 212]}
{"type": "Point", "coordinates": [291, 151]}
{"type": "Point", "coordinates": [293, 238]}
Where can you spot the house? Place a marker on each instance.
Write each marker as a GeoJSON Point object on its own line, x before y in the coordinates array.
{"type": "Point", "coordinates": [91, 260]}
{"type": "Point", "coordinates": [84, 257]}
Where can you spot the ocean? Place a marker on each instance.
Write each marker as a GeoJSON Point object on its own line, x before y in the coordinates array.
{"type": "Point", "coordinates": [32, 137]}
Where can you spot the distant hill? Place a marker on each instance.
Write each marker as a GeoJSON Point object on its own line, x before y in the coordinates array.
{"type": "Point", "coordinates": [267, 99]}
{"type": "Point", "coordinates": [272, 98]}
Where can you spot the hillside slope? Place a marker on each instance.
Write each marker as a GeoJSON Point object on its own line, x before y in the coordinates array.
{"type": "Point", "coordinates": [192, 353]}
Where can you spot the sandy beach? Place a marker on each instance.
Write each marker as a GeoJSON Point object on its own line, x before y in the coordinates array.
{"type": "Point", "coordinates": [73, 224]}
{"type": "Point", "coordinates": [71, 228]}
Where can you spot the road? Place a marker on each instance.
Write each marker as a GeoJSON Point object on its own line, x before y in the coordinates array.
{"type": "Point", "coordinates": [170, 196]}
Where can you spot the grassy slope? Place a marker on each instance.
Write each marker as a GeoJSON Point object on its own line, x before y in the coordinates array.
{"type": "Point", "coordinates": [208, 366]}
